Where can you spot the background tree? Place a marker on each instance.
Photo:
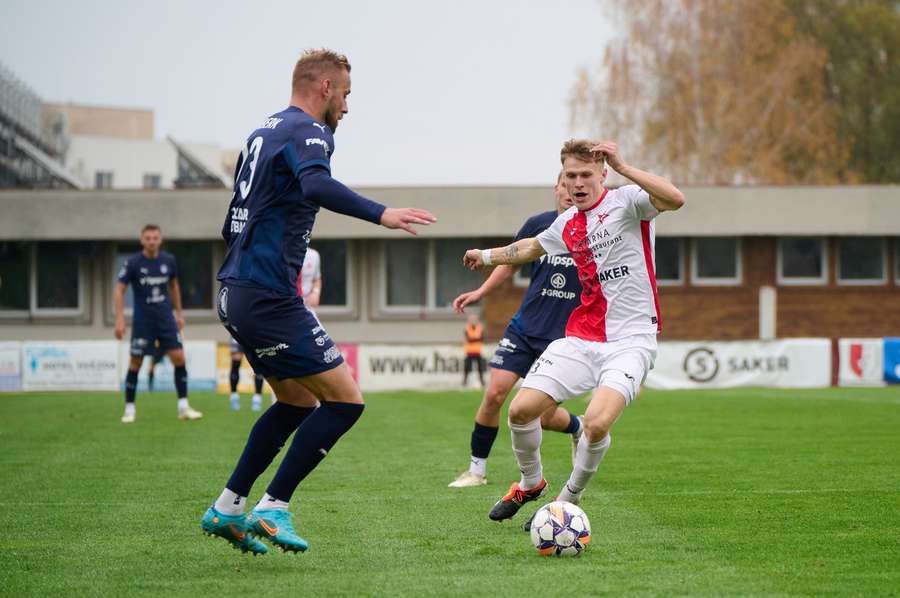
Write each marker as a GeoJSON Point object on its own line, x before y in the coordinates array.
{"type": "Point", "coordinates": [738, 91]}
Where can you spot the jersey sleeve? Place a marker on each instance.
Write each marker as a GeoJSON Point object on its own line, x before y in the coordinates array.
{"type": "Point", "coordinates": [640, 202]}
{"type": "Point", "coordinates": [124, 275]}
{"type": "Point", "coordinates": [552, 238]}
{"type": "Point", "coordinates": [173, 264]}
{"type": "Point", "coordinates": [311, 145]}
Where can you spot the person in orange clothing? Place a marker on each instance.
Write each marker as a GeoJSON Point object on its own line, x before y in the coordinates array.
{"type": "Point", "coordinates": [474, 342]}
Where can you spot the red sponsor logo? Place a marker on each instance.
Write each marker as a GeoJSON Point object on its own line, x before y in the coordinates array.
{"type": "Point", "coordinates": [602, 217]}
{"type": "Point", "coordinates": [856, 359]}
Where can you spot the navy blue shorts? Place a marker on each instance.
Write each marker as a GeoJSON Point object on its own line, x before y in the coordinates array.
{"type": "Point", "coordinates": [154, 338]}
{"type": "Point", "coordinates": [516, 352]}
{"type": "Point", "coordinates": [281, 338]}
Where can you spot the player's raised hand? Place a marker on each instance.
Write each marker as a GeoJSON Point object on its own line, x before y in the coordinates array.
{"type": "Point", "coordinates": [460, 303]}
{"type": "Point", "coordinates": [472, 260]}
{"type": "Point", "coordinates": [405, 217]}
{"type": "Point", "coordinates": [610, 151]}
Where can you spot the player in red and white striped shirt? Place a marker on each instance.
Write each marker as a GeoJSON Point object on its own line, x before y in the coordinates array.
{"type": "Point", "coordinates": [610, 341]}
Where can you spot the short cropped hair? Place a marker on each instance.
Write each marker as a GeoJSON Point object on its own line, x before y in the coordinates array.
{"type": "Point", "coordinates": [150, 227]}
{"type": "Point", "coordinates": [315, 63]}
{"type": "Point", "coordinates": [580, 149]}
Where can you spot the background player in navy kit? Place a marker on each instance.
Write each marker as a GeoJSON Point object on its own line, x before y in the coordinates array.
{"type": "Point", "coordinates": [234, 377]}
{"type": "Point", "coordinates": [153, 276]}
{"type": "Point", "coordinates": [282, 179]}
{"type": "Point", "coordinates": [551, 297]}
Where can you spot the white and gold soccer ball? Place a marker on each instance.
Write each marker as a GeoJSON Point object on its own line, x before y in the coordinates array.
{"type": "Point", "coordinates": [560, 529]}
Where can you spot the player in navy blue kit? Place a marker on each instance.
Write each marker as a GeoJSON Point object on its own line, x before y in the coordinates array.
{"type": "Point", "coordinates": [282, 178]}
{"type": "Point", "coordinates": [157, 319]}
{"type": "Point", "coordinates": [552, 294]}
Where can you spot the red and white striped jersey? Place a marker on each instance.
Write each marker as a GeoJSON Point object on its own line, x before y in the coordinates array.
{"type": "Point", "coordinates": [612, 244]}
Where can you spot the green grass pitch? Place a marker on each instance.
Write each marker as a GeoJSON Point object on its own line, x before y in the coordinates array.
{"type": "Point", "coordinates": [745, 492]}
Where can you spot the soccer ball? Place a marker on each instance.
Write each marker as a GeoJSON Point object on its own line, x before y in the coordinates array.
{"type": "Point", "coordinates": [560, 529]}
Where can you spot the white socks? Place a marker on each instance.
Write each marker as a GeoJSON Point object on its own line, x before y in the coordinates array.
{"type": "Point", "coordinates": [587, 460]}
{"type": "Point", "coordinates": [129, 409]}
{"type": "Point", "coordinates": [526, 444]}
{"type": "Point", "coordinates": [183, 405]}
{"type": "Point", "coordinates": [270, 502]}
{"type": "Point", "coordinates": [478, 466]}
{"type": "Point", "coordinates": [230, 503]}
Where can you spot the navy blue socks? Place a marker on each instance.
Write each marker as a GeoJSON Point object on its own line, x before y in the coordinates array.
{"type": "Point", "coordinates": [181, 382]}
{"type": "Point", "coordinates": [257, 384]}
{"type": "Point", "coordinates": [314, 439]}
{"type": "Point", "coordinates": [482, 440]}
{"type": "Point", "coordinates": [235, 375]}
{"type": "Point", "coordinates": [574, 424]}
{"type": "Point", "coordinates": [268, 435]}
{"type": "Point", "coordinates": [130, 386]}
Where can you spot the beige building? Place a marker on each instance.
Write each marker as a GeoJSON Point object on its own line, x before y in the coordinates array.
{"type": "Point", "coordinates": [736, 262]}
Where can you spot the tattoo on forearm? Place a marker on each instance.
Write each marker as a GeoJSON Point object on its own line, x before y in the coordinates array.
{"type": "Point", "coordinates": [510, 252]}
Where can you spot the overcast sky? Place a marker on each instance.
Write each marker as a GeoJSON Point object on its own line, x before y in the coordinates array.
{"type": "Point", "coordinates": [463, 92]}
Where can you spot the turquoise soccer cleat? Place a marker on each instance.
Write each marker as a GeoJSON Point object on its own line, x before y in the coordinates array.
{"type": "Point", "coordinates": [234, 529]}
{"type": "Point", "coordinates": [275, 526]}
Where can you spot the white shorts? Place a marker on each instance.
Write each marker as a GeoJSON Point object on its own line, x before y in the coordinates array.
{"type": "Point", "coordinates": [572, 366]}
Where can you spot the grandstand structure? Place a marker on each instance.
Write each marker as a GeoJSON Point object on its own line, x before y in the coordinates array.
{"type": "Point", "coordinates": [735, 263]}
{"type": "Point", "coordinates": [32, 148]}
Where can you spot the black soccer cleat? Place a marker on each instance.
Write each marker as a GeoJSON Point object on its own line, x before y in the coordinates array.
{"type": "Point", "coordinates": [509, 505]}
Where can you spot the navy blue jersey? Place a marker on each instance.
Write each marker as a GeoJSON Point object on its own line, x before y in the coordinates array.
{"type": "Point", "coordinates": [269, 221]}
{"type": "Point", "coordinates": [554, 290]}
{"type": "Point", "coordinates": [149, 279]}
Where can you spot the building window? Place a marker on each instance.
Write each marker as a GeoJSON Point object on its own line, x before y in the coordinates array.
{"type": "Point", "coordinates": [335, 274]}
{"type": "Point", "coordinates": [716, 261]}
{"type": "Point", "coordinates": [103, 179]}
{"type": "Point", "coordinates": [152, 180]}
{"type": "Point", "coordinates": [57, 285]}
{"type": "Point", "coordinates": [897, 260]}
{"type": "Point", "coordinates": [450, 277]}
{"type": "Point", "coordinates": [195, 272]}
{"type": "Point", "coordinates": [15, 261]}
{"type": "Point", "coordinates": [861, 260]}
{"type": "Point", "coordinates": [426, 274]}
{"type": "Point", "coordinates": [802, 260]}
{"type": "Point", "coordinates": [668, 259]}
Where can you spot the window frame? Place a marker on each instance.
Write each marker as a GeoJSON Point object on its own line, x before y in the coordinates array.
{"type": "Point", "coordinates": [13, 314]}
{"type": "Point", "coordinates": [54, 312]}
{"type": "Point", "coordinates": [863, 282]}
{"type": "Point", "coordinates": [430, 286]}
{"type": "Point", "coordinates": [782, 280]}
{"type": "Point", "coordinates": [705, 281]}
{"type": "Point", "coordinates": [102, 174]}
{"type": "Point", "coordinates": [158, 178]}
{"type": "Point", "coordinates": [669, 282]}
{"type": "Point", "coordinates": [349, 308]}
{"type": "Point", "coordinates": [896, 241]}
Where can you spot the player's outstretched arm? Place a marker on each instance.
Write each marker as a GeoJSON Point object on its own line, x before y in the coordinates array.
{"type": "Point", "coordinates": [663, 194]}
{"type": "Point", "coordinates": [500, 275]}
{"type": "Point", "coordinates": [520, 252]}
{"type": "Point", "coordinates": [320, 187]}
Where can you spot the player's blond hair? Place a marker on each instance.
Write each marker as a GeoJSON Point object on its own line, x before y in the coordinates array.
{"type": "Point", "coordinates": [315, 63]}
{"type": "Point", "coordinates": [580, 149]}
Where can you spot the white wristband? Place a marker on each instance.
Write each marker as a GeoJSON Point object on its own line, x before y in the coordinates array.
{"type": "Point", "coordinates": [486, 257]}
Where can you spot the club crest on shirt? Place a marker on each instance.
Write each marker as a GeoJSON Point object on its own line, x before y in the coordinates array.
{"type": "Point", "coordinates": [602, 217]}
{"type": "Point", "coordinates": [164, 268]}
